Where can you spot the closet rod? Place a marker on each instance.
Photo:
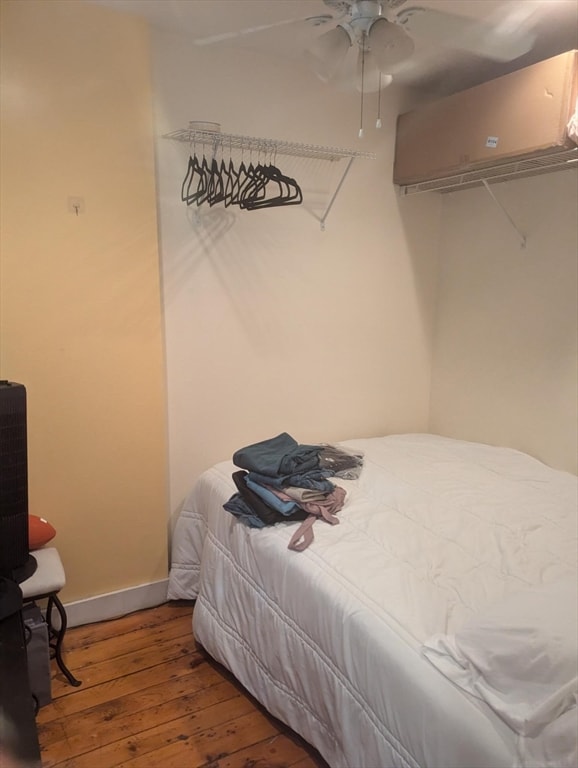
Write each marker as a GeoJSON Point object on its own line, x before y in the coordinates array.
{"type": "Point", "coordinates": [217, 140]}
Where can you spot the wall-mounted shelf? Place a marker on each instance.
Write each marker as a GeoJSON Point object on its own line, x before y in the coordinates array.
{"type": "Point", "coordinates": [209, 134]}
{"type": "Point", "coordinates": [519, 169]}
{"type": "Point", "coordinates": [508, 171]}
{"type": "Point", "coordinates": [218, 140]}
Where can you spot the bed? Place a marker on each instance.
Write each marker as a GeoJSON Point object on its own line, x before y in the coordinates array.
{"type": "Point", "coordinates": [394, 639]}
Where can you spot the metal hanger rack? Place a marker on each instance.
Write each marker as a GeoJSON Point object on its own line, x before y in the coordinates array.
{"type": "Point", "coordinates": [560, 160]}
{"type": "Point", "coordinates": [209, 134]}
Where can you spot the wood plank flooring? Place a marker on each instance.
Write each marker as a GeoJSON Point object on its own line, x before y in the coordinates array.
{"type": "Point", "coordinates": [151, 698]}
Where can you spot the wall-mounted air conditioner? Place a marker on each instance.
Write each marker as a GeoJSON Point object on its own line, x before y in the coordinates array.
{"type": "Point", "coordinates": [510, 127]}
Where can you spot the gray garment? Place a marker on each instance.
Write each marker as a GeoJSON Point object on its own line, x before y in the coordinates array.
{"type": "Point", "coordinates": [301, 494]}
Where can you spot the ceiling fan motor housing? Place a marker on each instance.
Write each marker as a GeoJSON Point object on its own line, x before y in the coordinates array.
{"type": "Point", "coordinates": [363, 15]}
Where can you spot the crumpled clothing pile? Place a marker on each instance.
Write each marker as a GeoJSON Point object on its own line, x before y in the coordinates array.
{"type": "Point", "coordinates": [281, 480]}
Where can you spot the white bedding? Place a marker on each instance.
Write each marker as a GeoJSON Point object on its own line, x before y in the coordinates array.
{"type": "Point", "coordinates": [330, 639]}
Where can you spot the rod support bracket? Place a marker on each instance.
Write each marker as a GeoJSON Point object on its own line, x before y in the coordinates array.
{"type": "Point", "coordinates": [521, 235]}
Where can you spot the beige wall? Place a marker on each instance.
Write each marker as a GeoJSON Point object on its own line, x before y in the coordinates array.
{"type": "Point", "coordinates": [506, 348]}
{"type": "Point", "coordinates": [270, 323]}
{"type": "Point", "coordinates": [80, 300]}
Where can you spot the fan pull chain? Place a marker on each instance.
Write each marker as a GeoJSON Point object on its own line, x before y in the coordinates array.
{"type": "Point", "coordinates": [378, 121]}
{"type": "Point", "coordinates": [362, 87]}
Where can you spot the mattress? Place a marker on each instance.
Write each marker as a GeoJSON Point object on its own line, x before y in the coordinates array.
{"type": "Point", "coordinates": [331, 640]}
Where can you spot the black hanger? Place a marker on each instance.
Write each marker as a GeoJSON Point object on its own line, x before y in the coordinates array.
{"type": "Point", "coordinates": [232, 184]}
{"type": "Point", "coordinates": [254, 188]}
{"type": "Point", "coordinates": [251, 187]}
{"type": "Point", "coordinates": [216, 187]}
{"type": "Point", "coordinates": [197, 171]}
{"type": "Point", "coordinates": [289, 192]}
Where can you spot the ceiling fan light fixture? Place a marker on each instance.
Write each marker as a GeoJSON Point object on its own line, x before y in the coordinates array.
{"type": "Point", "coordinates": [389, 44]}
{"type": "Point", "coordinates": [328, 52]}
{"type": "Point", "coordinates": [373, 79]}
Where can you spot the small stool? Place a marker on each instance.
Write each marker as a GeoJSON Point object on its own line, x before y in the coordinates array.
{"type": "Point", "coordinates": [46, 581]}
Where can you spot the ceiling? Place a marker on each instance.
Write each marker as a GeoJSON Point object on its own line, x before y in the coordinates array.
{"type": "Point", "coordinates": [433, 67]}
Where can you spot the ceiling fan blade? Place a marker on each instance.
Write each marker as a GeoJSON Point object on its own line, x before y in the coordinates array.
{"type": "Point", "coordinates": [252, 30]}
{"type": "Point", "coordinates": [389, 43]}
{"type": "Point", "coordinates": [505, 40]}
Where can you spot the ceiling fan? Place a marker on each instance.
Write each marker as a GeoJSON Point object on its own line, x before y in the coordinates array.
{"type": "Point", "coordinates": [385, 36]}
{"type": "Point", "coordinates": [383, 33]}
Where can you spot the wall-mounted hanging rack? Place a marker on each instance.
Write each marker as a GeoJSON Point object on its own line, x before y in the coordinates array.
{"type": "Point", "coordinates": [505, 171]}
{"type": "Point", "coordinates": [209, 134]}
{"type": "Point", "coordinates": [561, 160]}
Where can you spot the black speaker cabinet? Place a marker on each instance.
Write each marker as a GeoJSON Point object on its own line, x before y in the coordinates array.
{"type": "Point", "coordinates": [15, 562]}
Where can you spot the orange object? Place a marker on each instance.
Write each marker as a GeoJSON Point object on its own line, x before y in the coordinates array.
{"type": "Point", "coordinates": [40, 532]}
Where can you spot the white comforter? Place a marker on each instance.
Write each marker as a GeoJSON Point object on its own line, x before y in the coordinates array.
{"type": "Point", "coordinates": [330, 639]}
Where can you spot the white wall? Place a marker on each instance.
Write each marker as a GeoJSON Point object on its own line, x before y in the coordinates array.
{"type": "Point", "coordinates": [506, 350]}
{"type": "Point", "coordinates": [270, 323]}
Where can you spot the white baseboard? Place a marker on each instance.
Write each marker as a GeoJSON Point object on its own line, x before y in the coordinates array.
{"type": "Point", "coordinates": [115, 604]}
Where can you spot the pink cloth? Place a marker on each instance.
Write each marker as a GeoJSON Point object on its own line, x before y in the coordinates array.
{"type": "Point", "coordinates": [326, 509]}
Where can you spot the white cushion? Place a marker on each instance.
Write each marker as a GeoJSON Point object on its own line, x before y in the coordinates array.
{"type": "Point", "coordinates": [48, 576]}
{"type": "Point", "coordinates": [520, 656]}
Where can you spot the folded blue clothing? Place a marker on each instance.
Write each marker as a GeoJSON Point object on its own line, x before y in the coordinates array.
{"type": "Point", "coordinates": [278, 456]}
{"type": "Point", "coordinates": [238, 506]}
{"type": "Point", "coordinates": [284, 507]}
{"type": "Point", "coordinates": [266, 455]}
{"type": "Point", "coordinates": [315, 480]}
{"type": "Point", "coordinates": [301, 459]}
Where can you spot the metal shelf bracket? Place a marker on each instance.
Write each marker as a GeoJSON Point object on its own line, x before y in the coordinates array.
{"type": "Point", "coordinates": [335, 193]}
{"type": "Point", "coordinates": [521, 235]}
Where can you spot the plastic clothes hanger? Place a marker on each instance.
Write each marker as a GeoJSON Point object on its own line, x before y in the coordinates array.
{"type": "Point", "coordinates": [251, 187]}
{"type": "Point", "coordinates": [257, 192]}
{"type": "Point", "coordinates": [231, 184]}
{"type": "Point", "coordinates": [216, 186]}
{"type": "Point", "coordinates": [203, 191]}
{"type": "Point", "coordinates": [194, 170]}
{"type": "Point", "coordinates": [254, 189]}
{"type": "Point", "coordinates": [289, 191]}
{"type": "Point", "coordinates": [250, 184]}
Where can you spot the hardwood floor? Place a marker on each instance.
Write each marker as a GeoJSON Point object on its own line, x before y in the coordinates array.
{"type": "Point", "coordinates": [151, 698]}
